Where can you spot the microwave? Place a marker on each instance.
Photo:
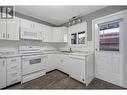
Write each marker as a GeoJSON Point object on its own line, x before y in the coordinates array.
{"type": "Point", "coordinates": [30, 34]}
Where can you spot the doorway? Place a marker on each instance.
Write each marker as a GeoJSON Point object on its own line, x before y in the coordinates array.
{"type": "Point", "coordinates": [108, 32]}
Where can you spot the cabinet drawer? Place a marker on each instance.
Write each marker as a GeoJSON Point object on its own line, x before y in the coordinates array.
{"type": "Point", "coordinates": [13, 77]}
{"type": "Point", "coordinates": [13, 63]}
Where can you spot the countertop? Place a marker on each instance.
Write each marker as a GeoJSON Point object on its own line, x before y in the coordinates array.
{"type": "Point", "coordinates": [76, 53]}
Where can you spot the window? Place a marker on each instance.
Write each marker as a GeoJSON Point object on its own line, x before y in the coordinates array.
{"type": "Point", "coordinates": [81, 37]}
{"type": "Point", "coordinates": [109, 36]}
{"type": "Point", "coordinates": [78, 38]}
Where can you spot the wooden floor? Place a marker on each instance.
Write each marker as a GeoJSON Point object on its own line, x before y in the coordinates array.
{"type": "Point", "coordinates": [59, 80]}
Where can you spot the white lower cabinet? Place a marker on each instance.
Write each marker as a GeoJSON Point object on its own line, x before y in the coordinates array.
{"type": "Point", "coordinates": [13, 70]}
{"type": "Point", "coordinates": [77, 68]}
{"type": "Point", "coordinates": [51, 62]}
{"type": "Point", "coordinates": [64, 64]}
{"type": "Point", "coordinates": [80, 68]}
{"type": "Point", "coordinates": [2, 73]}
{"type": "Point", "coordinates": [10, 71]}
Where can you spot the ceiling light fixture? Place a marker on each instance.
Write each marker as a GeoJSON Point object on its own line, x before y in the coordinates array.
{"type": "Point", "coordinates": [74, 20]}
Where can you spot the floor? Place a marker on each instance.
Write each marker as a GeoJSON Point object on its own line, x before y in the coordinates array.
{"type": "Point", "coordinates": [59, 80]}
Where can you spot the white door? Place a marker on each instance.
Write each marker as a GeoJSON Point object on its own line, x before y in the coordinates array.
{"type": "Point", "coordinates": [108, 49]}
{"type": "Point", "coordinates": [13, 29]}
{"type": "Point", "coordinates": [2, 29]}
{"type": "Point", "coordinates": [2, 73]}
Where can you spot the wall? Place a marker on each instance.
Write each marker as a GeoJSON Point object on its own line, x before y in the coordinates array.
{"type": "Point", "coordinates": [125, 50]}
{"type": "Point", "coordinates": [89, 17]}
{"type": "Point", "coordinates": [100, 13]}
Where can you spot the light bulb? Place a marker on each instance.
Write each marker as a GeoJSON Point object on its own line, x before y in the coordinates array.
{"type": "Point", "coordinates": [73, 21]}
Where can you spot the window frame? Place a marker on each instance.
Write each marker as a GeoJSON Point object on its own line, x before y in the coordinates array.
{"type": "Point", "coordinates": [77, 44]}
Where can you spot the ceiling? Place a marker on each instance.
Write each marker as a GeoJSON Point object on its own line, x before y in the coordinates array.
{"type": "Point", "coordinates": [56, 15]}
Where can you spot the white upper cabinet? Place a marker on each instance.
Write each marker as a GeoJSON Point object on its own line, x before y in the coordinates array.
{"type": "Point", "coordinates": [30, 24]}
{"type": "Point", "coordinates": [2, 29]}
{"type": "Point", "coordinates": [13, 29]}
{"type": "Point", "coordinates": [46, 33]}
{"type": "Point", "coordinates": [54, 34]}
{"type": "Point", "coordinates": [9, 29]}
{"type": "Point", "coordinates": [59, 34]}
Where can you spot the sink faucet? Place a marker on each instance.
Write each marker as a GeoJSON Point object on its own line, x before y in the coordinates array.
{"type": "Point", "coordinates": [70, 49]}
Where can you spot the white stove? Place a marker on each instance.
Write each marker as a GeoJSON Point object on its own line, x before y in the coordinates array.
{"type": "Point", "coordinates": [33, 62]}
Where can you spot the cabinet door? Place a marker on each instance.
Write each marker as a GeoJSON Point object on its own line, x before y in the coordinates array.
{"type": "Point", "coordinates": [59, 34]}
{"type": "Point", "coordinates": [64, 34]}
{"type": "Point", "coordinates": [2, 29]}
{"type": "Point", "coordinates": [50, 62]}
{"type": "Point", "coordinates": [13, 29]}
{"type": "Point", "coordinates": [47, 33]}
{"type": "Point", "coordinates": [65, 65]}
{"type": "Point", "coordinates": [56, 34]}
{"type": "Point", "coordinates": [77, 69]}
{"type": "Point", "coordinates": [26, 24]}
{"type": "Point", "coordinates": [2, 73]}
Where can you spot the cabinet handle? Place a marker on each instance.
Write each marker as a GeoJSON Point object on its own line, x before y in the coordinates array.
{"type": "Point", "coordinates": [3, 63]}
{"type": "Point", "coordinates": [31, 25]}
{"type": "Point", "coordinates": [7, 35]}
{"type": "Point", "coordinates": [13, 67]}
{"type": "Point", "coordinates": [3, 35]}
{"type": "Point", "coordinates": [14, 74]}
{"type": "Point", "coordinates": [13, 60]}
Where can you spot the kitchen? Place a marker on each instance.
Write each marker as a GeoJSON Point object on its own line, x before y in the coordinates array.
{"type": "Point", "coordinates": [79, 49]}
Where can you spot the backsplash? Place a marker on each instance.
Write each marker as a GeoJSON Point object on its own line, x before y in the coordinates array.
{"type": "Point", "coordinates": [16, 44]}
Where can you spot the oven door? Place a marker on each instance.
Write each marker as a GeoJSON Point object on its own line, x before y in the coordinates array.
{"type": "Point", "coordinates": [33, 63]}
